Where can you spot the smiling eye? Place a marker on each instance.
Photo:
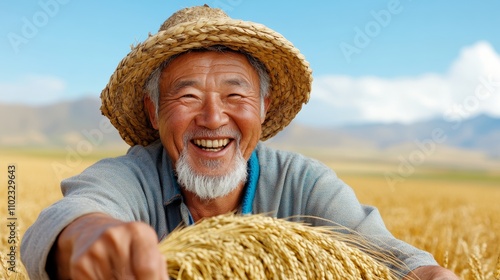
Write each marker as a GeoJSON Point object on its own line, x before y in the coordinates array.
{"type": "Point", "coordinates": [188, 95]}
{"type": "Point", "coordinates": [235, 95]}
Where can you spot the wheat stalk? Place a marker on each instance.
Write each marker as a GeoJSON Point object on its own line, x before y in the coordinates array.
{"type": "Point", "coordinates": [497, 269]}
{"type": "Point", "coordinates": [476, 267]}
{"type": "Point", "coordinates": [259, 247]}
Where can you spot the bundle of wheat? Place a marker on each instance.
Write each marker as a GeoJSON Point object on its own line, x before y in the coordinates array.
{"type": "Point", "coordinates": [260, 247]}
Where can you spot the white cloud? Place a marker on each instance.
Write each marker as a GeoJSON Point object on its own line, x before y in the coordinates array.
{"type": "Point", "coordinates": [32, 89]}
{"type": "Point", "coordinates": [469, 87]}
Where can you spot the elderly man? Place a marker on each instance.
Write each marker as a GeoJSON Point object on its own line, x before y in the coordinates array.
{"type": "Point", "coordinates": [194, 101]}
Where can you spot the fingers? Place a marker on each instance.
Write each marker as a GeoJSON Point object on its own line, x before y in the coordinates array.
{"type": "Point", "coordinates": [94, 263]}
{"type": "Point", "coordinates": [147, 261]}
{"type": "Point", "coordinates": [124, 251]}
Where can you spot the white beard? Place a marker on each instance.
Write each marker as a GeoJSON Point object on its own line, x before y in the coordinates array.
{"type": "Point", "coordinates": [207, 186]}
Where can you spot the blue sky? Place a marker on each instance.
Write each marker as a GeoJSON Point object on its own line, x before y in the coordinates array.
{"type": "Point", "coordinates": [408, 60]}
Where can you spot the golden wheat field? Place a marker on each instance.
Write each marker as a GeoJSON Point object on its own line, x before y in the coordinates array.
{"type": "Point", "coordinates": [454, 214]}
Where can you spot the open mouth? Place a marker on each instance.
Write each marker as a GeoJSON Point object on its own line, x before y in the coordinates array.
{"type": "Point", "coordinates": [212, 145]}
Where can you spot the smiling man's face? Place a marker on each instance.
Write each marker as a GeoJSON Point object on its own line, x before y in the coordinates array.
{"type": "Point", "coordinates": [209, 111]}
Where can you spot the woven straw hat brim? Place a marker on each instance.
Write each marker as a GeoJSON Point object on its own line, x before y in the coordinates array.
{"type": "Point", "coordinates": [290, 75]}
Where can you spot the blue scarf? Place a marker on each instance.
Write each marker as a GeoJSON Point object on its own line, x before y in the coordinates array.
{"type": "Point", "coordinates": [251, 185]}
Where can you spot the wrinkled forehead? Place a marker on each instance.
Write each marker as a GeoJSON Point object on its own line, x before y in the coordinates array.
{"type": "Point", "coordinates": [208, 58]}
{"type": "Point", "coordinates": [233, 68]}
{"type": "Point", "coordinates": [222, 49]}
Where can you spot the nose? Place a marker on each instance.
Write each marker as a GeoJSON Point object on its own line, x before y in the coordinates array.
{"type": "Point", "coordinates": [213, 113]}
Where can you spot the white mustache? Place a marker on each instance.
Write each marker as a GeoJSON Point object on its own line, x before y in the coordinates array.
{"type": "Point", "coordinates": [209, 133]}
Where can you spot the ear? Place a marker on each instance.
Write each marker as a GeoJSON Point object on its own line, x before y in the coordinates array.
{"type": "Point", "coordinates": [150, 108]}
{"type": "Point", "coordinates": [263, 114]}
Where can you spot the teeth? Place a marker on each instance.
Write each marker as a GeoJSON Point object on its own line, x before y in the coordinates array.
{"type": "Point", "coordinates": [212, 145]}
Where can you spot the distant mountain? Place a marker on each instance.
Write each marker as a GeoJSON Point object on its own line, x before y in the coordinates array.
{"type": "Point", "coordinates": [67, 123]}
{"type": "Point", "coordinates": [481, 133]}
{"type": "Point", "coordinates": [56, 125]}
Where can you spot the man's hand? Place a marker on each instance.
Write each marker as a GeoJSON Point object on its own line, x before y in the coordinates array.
{"type": "Point", "coordinates": [433, 272]}
{"type": "Point", "coordinates": [96, 246]}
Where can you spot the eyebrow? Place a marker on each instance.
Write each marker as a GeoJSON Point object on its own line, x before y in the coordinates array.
{"type": "Point", "coordinates": [184, 83]}
{"type": "Point", "coordinates": [237, 82]}
{"type": "Point", "coordinates": [231, 82]}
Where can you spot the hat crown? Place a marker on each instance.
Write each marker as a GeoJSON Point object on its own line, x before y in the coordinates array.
{"type": "Point", "coordinates": [191, 14]}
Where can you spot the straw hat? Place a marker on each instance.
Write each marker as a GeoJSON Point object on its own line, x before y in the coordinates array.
{"type": "Point", "coordinates": [197, 27]}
